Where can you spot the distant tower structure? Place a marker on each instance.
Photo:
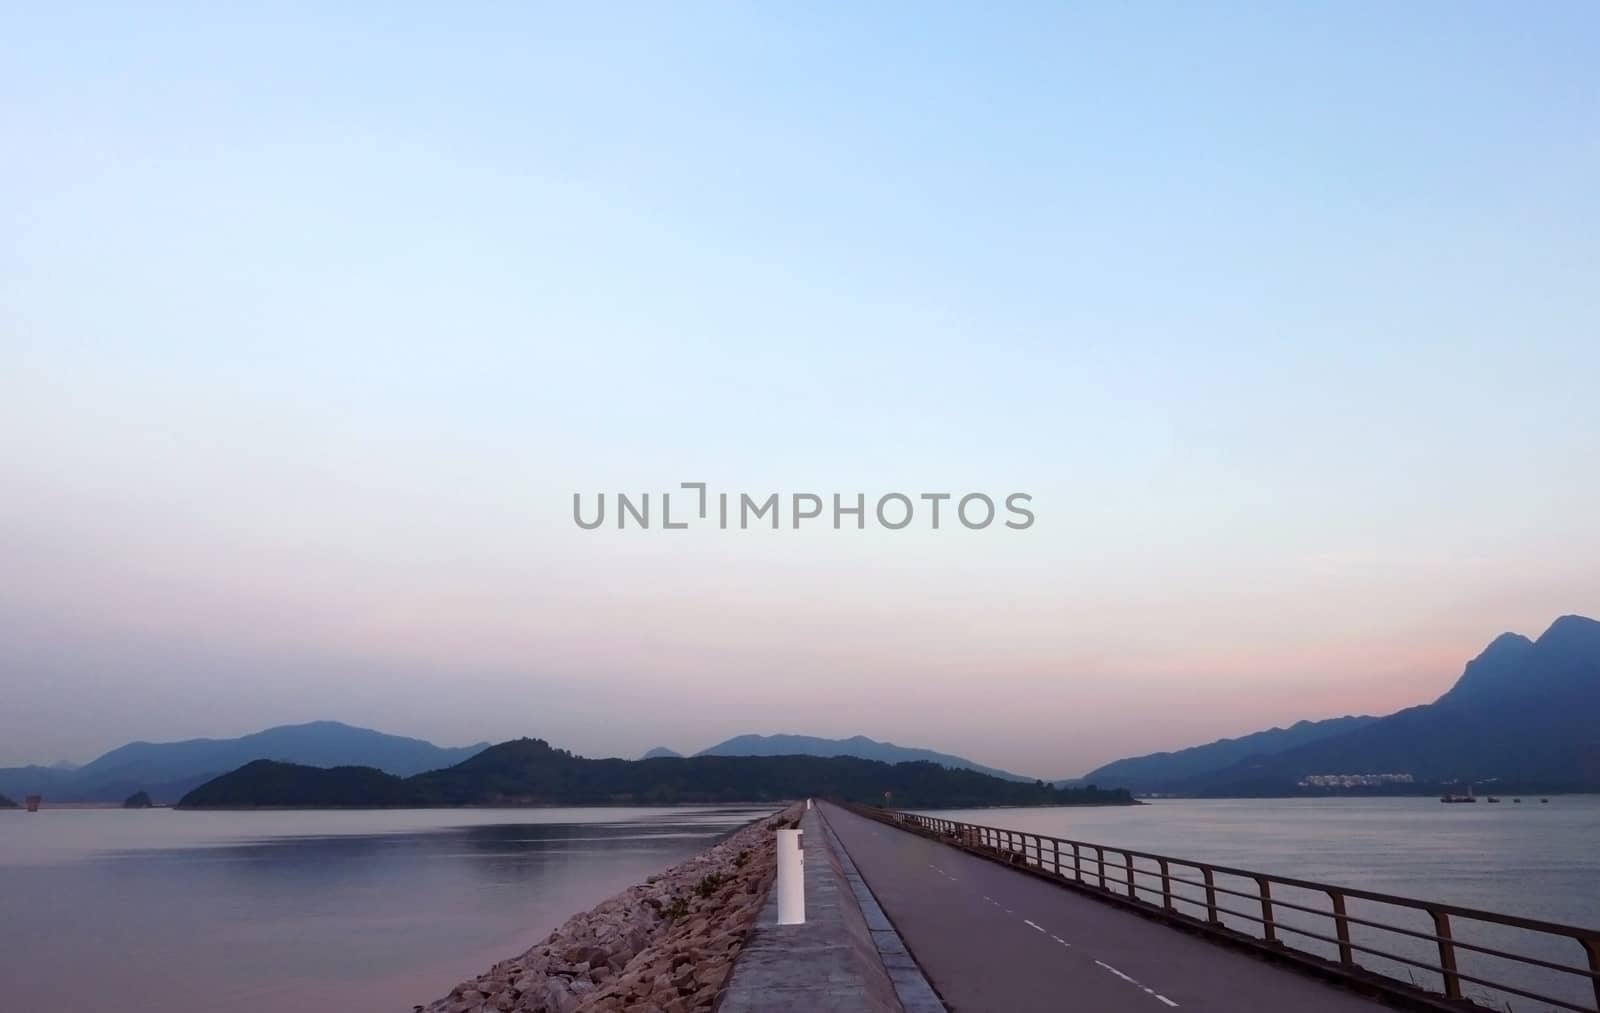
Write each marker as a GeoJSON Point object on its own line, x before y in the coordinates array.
{"type": "Point", "coordinates": [33, 802]}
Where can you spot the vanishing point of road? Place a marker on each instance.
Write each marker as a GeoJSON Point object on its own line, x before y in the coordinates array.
{"type": "Point", "coordinates": [994, 939]}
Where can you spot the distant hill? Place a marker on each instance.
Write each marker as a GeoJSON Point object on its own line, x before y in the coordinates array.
{"type": "Point", "coordinates": [858, 746]}
{"type": "Point", "coordinates": [36, 780]}
{"type": "Point", "coordinates": [167, 770]}
{"type": "Point", "coordinates": [660, 751]}
{"type": "Point", "coordinates": [1161, 771]}
{"type": "Point", "coordinates": [269, 784]}
{"type": "Point", "coordinates": [1521, 717]}
{"type": "Point", "coordinates": [530, 772]}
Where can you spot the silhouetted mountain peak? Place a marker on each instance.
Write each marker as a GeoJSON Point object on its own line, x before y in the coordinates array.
{"type": "Point", "coordinates": [661, 752]}
{"type": "Point", "coordinates": [166, 770]}
{"type": "Point", "coordinates": [1495, 669]}
{"type": "Point", "coordinates": [522, 749]}
{"type": "Point", "coordinates": [1572, 629]}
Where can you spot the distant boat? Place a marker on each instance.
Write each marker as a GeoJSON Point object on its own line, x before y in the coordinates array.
{"type": "Point", "coordinates": [1518, 801]}
{"type": "Point", "coordinates": [1451, 797]}
{"type": "Point", "coordinates": [1493, 799]}
{"type": "Point", "coordinates": [1543, 800]}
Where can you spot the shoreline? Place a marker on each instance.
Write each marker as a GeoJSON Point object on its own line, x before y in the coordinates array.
{"type": "Point", "coordinates": [668, 943]}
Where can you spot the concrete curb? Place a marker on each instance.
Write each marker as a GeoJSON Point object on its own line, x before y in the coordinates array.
{"type": "Point", "coordinates": [827, 964]}
{"type": "Point", "coordinates": [911, 986]}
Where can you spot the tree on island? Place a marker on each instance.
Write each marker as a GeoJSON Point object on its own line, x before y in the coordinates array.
{"type": "Point", "coordinates": [138, 800]}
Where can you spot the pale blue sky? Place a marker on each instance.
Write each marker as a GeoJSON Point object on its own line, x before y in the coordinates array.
{"type": "Point", "coordinates": [312, 322]}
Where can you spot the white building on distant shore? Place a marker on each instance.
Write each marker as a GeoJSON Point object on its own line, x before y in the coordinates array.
{"type": "Point", "coordinates": [1354, 780]}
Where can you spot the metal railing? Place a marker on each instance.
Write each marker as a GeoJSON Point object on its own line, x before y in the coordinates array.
{"type": "Point", "coordinates": [1156, 882]}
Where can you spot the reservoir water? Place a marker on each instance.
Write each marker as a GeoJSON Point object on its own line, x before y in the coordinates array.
{"type": "Point", "coordinates": [1534, 860]}
{"type": "Point", "coordinates": [375, 911]}
{"type": "Point", "coordinates": [277, 911]}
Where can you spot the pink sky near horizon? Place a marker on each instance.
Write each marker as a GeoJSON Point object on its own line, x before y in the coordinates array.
{"type": "Point", "coordinates": [1037, 681]}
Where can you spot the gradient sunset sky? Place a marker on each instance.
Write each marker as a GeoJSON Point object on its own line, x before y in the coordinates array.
{"type": "Point", "coordinates": [312, 321]}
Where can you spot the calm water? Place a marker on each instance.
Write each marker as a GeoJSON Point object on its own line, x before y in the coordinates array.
{"type": "Point", "coordinates": [1538, 861]}
{"type": "Point", "coordinates": [289, 911]}
{"type": "Point", "coordinates": [358, 911]}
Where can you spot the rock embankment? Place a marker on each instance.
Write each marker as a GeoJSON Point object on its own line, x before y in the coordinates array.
{"type": "Point", "coordinates": [663, 946]}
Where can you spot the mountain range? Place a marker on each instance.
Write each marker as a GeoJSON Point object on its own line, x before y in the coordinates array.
{"type": "Point", "coordinates": [1523, 716]}
{"type": "Point", "coordinates": [858, 746]}
{"type": "Point", "coordinates": [1522, 713]}
{"type": "Point", "coordinates": [1160, 771]}
{"type": "Point", "coordinates": [167, 770]}
{"type": "Point", "coordinates": [531, 772]}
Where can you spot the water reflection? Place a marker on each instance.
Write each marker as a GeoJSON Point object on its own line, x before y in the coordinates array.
{"type": "Point", "coordinates": [289, 911]}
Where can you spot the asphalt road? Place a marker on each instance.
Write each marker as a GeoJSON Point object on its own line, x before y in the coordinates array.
{"type": "Point", "coordinates": [995, 940]}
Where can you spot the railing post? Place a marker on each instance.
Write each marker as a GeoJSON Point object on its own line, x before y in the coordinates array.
{"type": "Point", "coordinates": [1591, 946]}
{"type": "Point", "coordinates": [1269, 930]}
{"type": "Point", "coordinates": [1347, 956]}
{"type": "Point", "coordinates": [1447, 954]}
{"type": "Point", "coordinates": [1100, 856]}
{"type": "Point", "coordinates": [1127, 859]}
{"type": "Point", "coordinates": [1055, 849]}
{"type": "Point", "coordinates": [1166, 885]}
{"type": "Point", "coordinates": [1077, 863]}
{"type": "Point", "coordinates": [1211, 895]}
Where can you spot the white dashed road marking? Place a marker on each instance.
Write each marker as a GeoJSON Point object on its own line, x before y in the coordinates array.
{"type": "Point", "coordinates": [1116, 972]}
{"type": "Point", "coordinates": [1134, 983]}
{"type": "Point", "coordinates": [1041, 929]}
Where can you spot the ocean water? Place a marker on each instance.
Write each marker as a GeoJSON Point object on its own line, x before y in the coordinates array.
{"type": "Point", "coordinates": [291, 911]}
{"type": "Point", "coordinates": [1533, 860]}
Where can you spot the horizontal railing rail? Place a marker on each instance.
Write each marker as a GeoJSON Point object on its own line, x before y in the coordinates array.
{"type": "Point", "coordinates": [1115, 872]}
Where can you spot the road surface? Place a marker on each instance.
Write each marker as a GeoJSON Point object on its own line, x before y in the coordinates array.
{"type": "Point", "coordinates": [995, 940]}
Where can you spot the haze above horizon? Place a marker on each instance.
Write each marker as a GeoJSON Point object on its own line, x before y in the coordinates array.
{"type": "Point", "coordinates": [312, 323]}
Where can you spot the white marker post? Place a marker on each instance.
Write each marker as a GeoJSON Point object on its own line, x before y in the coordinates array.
{"type": "Point", "coordinates": [791, 879]}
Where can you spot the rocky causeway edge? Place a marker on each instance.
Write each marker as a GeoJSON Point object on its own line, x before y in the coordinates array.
{"type": "Point", "coordinates": [663, 946]}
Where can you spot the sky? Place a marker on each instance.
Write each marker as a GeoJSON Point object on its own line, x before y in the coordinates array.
{"type": "Point", "coordinates": [313, 321]}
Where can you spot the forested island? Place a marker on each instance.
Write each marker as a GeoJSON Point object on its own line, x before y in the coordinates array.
{"type": "Point", "coordinates": [531, 772]}
{"type": "Point", "coordinates": [6, 803]}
